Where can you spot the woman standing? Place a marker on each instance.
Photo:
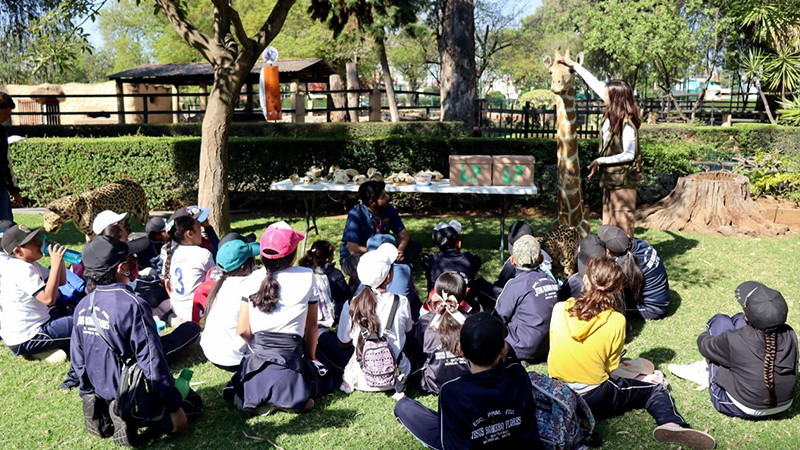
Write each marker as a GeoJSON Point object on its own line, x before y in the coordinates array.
{"type": "Point", "coordinates": [619, 161]}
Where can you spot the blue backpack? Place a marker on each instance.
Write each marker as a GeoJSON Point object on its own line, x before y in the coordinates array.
{"type": "Point", "coordinates": [558, 414]}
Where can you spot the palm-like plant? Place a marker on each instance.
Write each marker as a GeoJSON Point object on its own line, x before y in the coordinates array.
{"type": "Point", "coordinates": [790, 114]}
{"type": "Point", "coordinates": [753, 66]}
{"type": "Point", "coordinates": [782, 69]}
{"type": "Point", "coordinates": [770, 22]}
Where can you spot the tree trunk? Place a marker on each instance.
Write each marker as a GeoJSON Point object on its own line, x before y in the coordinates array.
{"type": "Point", "coordinates": [338, 100]}
{"type": "Point", "coordinates": [352, 85]}
{"type": "Point", "coordinates": [710, 202]}
{"type": "Point", "coordinates": [387, 80]}
{"type": "Point", "coordinates": [212, 189]}
{"type": "Point", "coordinates": [457, 52]}
{"type": "Point", "coordinates": [766, 103]}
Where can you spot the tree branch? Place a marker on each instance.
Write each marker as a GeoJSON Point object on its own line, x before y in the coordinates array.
{"type": "Point", "coordinates": [273, 25]}
{"type": "Point", "coordinates": [241, 35]}
{"type": "Point", "coordinates": [211, 51]}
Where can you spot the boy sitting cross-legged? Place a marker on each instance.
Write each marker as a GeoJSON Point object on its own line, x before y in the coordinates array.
{"type": "Point", "coordinates": [489, 406]}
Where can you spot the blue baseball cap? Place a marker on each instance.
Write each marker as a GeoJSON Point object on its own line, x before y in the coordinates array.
{"type": "Point", "coordinates": [232, 254]}
{"type": "Point", "coordinates": [379, 238]}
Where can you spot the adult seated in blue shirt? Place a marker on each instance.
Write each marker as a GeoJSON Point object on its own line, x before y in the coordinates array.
{"type": "Point", "coordinates": [374, 215]}
{"type": "Point", "coordinates": [647, 291]}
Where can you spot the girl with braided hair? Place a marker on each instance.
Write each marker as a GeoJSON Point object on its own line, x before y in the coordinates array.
{"type": "Point", "coordinates": [185, 266]}
{"type": "Point", "coordinates": [586, 339]}
{"type": "Point", "coordinates": [437, 333]}
{"type": "Point", "coordinates": [752, 356]}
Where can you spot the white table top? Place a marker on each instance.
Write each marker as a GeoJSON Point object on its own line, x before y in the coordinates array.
{"type": "Point", "coordinates": [441, 187]}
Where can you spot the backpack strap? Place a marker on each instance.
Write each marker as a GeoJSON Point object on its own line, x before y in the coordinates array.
{"type": "Point", "coordinates": [392, 313]}
{"type": "Point", "coordinates": [100, 330]}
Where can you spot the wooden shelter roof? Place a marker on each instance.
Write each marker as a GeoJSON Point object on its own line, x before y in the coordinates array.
{"type": "Point", "coordinates": [309, 70]}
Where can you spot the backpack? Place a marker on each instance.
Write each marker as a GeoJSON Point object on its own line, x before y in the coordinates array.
{"type": "Point", "coordinates": [134, 400]}
{"type": "Point", "coordinates": [201, 293]}
{"type": "Point", "coordinates": [558, 413]}
{"type": "Point", "coordinates": [378, 362]}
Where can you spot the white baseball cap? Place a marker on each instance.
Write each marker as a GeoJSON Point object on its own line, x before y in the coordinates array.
{"type": "Point", "coordinates": [374, 266]}
{"type": "Point", "coordinates": [106, 218]}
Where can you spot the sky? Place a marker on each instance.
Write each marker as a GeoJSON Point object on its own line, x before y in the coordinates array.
{"type": "Point", "coordinates": [528, 9]}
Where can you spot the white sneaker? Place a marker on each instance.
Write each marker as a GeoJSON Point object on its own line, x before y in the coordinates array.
{"type": "Point", "coordinates": [52, 356]}
{"type": "Point", "coordinates": [696, 372]}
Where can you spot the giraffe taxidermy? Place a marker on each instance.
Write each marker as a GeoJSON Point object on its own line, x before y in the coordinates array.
{"type": "Point", "coordinates": [571, 210]}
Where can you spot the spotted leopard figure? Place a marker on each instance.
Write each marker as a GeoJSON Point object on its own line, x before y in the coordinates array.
{"type": "Point", "coordinates": [561, 244]}
{"type": "Point", "coordinates": [119, 196]}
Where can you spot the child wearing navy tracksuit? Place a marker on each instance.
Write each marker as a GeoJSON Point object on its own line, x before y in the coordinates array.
{"type": "Point", "coordinates": [526, 303]}
{"type": "Point", "coordinates": [127, 323]}
{"type": "Point", "coordinates": [447, 238]}
{"type": "Point", "coordinates": [489, 406]}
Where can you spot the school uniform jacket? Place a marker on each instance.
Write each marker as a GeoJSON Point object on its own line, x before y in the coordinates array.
{"type": "Point", "coordinates": [451, 260]}
{"type": "Point", "coordinates": [490, 409]}
{"type": "Point", "coordinates": [655, 291]}
{"type": "Point", "coordinates": [127, 322]}
{"type": "Point", "coordinates": [525, 306]}
{"type": "Point", "coordinates": [740, 355]}
{"type": "Point", "coordinates": [440, 365]}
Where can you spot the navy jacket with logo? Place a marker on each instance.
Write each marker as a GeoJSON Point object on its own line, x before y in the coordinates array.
{"type": "Point", "coordinates": [127, 322]}
{"type": "Point", "coordinates": [525, 306]}
{"type": "Point", "coordinates": [655, 291]}
{"type": "Point", "coordinates": [490, 409]}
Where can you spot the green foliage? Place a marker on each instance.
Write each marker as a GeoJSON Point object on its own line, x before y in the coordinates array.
{"type": "Point", "coordinates": [539, 98]}
{"type": "Point", "coordinates": [742, 138]}
{"type": "Point", "coordinates": [790, 114]}
{"type": "Point", "coordinates": [674, 158]}
{"type": "Point", "coordinates": [774, 173]}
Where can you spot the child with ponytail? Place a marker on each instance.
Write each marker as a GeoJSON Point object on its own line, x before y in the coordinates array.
{"type": "Point", "coordinates": [437, 332]}
{"type": "Point", "coordinates": [369, 311]}
{"type": "Point", "coordinates": [586, 339]}
{"type": "Point", "coordinates": [185, 266]}
{"type": "Point", "coordinates": [279, 324]}
{"type": "Point", "coordinates": [752, 356]}
{"type": "Point", "coordinates": [332, 286]}
{"type": "Point", "coordinates": [221, 343]}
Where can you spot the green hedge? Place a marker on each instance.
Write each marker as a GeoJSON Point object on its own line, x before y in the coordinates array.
{"type": "Point", "coordinates": [716, 141]}
{"type": "Point", "coordinates": [167, 167]}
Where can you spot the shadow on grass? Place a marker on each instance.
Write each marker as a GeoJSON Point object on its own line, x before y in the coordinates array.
{"type": "Point", "coordinates": [658, 355]}
{"type": "Point", "coordinates": [635, 327]}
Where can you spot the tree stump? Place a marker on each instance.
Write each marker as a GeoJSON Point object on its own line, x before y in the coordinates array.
{"type": "Point", "coordinates": [710, 202]}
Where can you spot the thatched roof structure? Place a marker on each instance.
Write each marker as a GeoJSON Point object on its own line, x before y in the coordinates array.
{"type": "Point", "coordinates": [309, 70]}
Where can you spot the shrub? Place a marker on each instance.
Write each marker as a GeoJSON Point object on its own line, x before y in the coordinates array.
{"type": "Point", "coordinates": [539, 98]}
{"type": "Point", "coordinates": [773, 173]}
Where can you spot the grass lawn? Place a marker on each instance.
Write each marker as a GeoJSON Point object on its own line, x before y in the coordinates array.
{"type": "Point", "coordinates": [703, 271]}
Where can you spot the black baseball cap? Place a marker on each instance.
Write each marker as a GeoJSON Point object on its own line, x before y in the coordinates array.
{"type": "Point", "coordinates": [590, 248]}
{"type": "Point", "coordinates": [764, 308]}
{"type": "Point", "coordinates": [156, 225]}
{"type": "Point", "coordinates": [250, 238]}
{"type": "Point", "coordinates": [17, 236]}
{"type": "Point", "coordinates": [482, 338]}
{"type": "Point", "coordinates": [615, 239]}
{"type": "Point", "coordinates": [103, 253]}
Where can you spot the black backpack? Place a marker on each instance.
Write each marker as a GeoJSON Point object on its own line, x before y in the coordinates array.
{"type": "Point", "coordinates": [134, 400]}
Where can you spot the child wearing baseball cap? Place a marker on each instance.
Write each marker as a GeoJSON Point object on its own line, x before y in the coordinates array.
{"type": "Point", "coordinates": [278, 321]}
{"type": "Point", "coordinates": [491, 405]}
{"type": "Point", "coordinates": [31, 324]}
{"type": "Point", "coordinates": [369, 312]}
{"type": "Point", "coordinates": [221, 343]}
{"type": "Point", "coordinates": [752, 356]}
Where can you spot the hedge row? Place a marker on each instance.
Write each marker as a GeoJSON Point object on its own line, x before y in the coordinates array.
{"type": "Point", "coordinates": [742, 138]}
{"type": "Point", "coordinates": [167, 167]}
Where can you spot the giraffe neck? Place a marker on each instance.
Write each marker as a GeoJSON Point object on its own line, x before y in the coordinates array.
{"type": "Point", "coordinates": [571, 211]}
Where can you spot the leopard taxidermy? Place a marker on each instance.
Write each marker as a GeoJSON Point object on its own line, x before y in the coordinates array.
{"type": "Point", "coordinates": [561, 244]}
{"type": "Point", "coordinates": [119, 196]}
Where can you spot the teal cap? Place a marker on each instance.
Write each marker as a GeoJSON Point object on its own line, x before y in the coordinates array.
{"type": "Point", "coordinates": [232, 254]}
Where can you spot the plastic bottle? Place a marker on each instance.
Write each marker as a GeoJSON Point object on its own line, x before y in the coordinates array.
{"type": "Point", "coordinates": [70, 256]}
{"type": "Point", "coordinates": [182, 382]}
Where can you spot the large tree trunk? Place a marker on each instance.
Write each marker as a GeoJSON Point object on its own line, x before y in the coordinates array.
{"type": "Point", "coordinates": [338, 100]}
{"type": "Point", "coordinates": [352, 85]}
{"type": "Point", "coordinates": [457, 51]}
{"type": "Point", "coordinates": [387, 80]}
{"type": "Point", "coordinates": [710, 202]}
{"type": "Point", "coordinates": [212, 189]}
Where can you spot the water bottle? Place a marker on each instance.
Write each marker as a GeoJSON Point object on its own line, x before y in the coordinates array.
{"type": "Point", "coordinates": [182, 382]}
{"type": "Point", "coordinates": [71, 256]}
{"type": "Point", "coordinates": [160, 326]}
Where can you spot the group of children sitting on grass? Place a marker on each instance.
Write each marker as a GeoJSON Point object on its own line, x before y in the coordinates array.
{"type": "Point", "coordinates": [291, 331]}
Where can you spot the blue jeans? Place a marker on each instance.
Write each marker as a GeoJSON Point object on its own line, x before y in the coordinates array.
{"type": "Point", "coordinates": [717, 325]}
{"type": "Point", "coordinates": [5, 205]}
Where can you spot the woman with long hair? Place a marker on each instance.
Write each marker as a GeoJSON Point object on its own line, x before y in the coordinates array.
{"type": "Point", "coordinates": [619, 161]}
{"type": "Point", "coordinates": [586, 339]}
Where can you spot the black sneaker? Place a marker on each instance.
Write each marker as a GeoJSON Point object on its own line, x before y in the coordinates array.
{"type": "Point", "coordinates": [124, 434]}
{"type": "Point", "coordinates": [95, 416]}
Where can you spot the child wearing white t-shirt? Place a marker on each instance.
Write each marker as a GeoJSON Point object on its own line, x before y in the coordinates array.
{"type": "Point", "coordinates": [371, 310]}
{"type": "Point", "coordinates": [30, 326]}
{"type": "Point", "coordinates": [221, 343]}
{"type": "Point", "coordinates": [186, 266]}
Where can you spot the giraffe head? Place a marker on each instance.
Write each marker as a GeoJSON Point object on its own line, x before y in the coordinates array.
{"type": "Point", "coordinates": [562, 76]}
